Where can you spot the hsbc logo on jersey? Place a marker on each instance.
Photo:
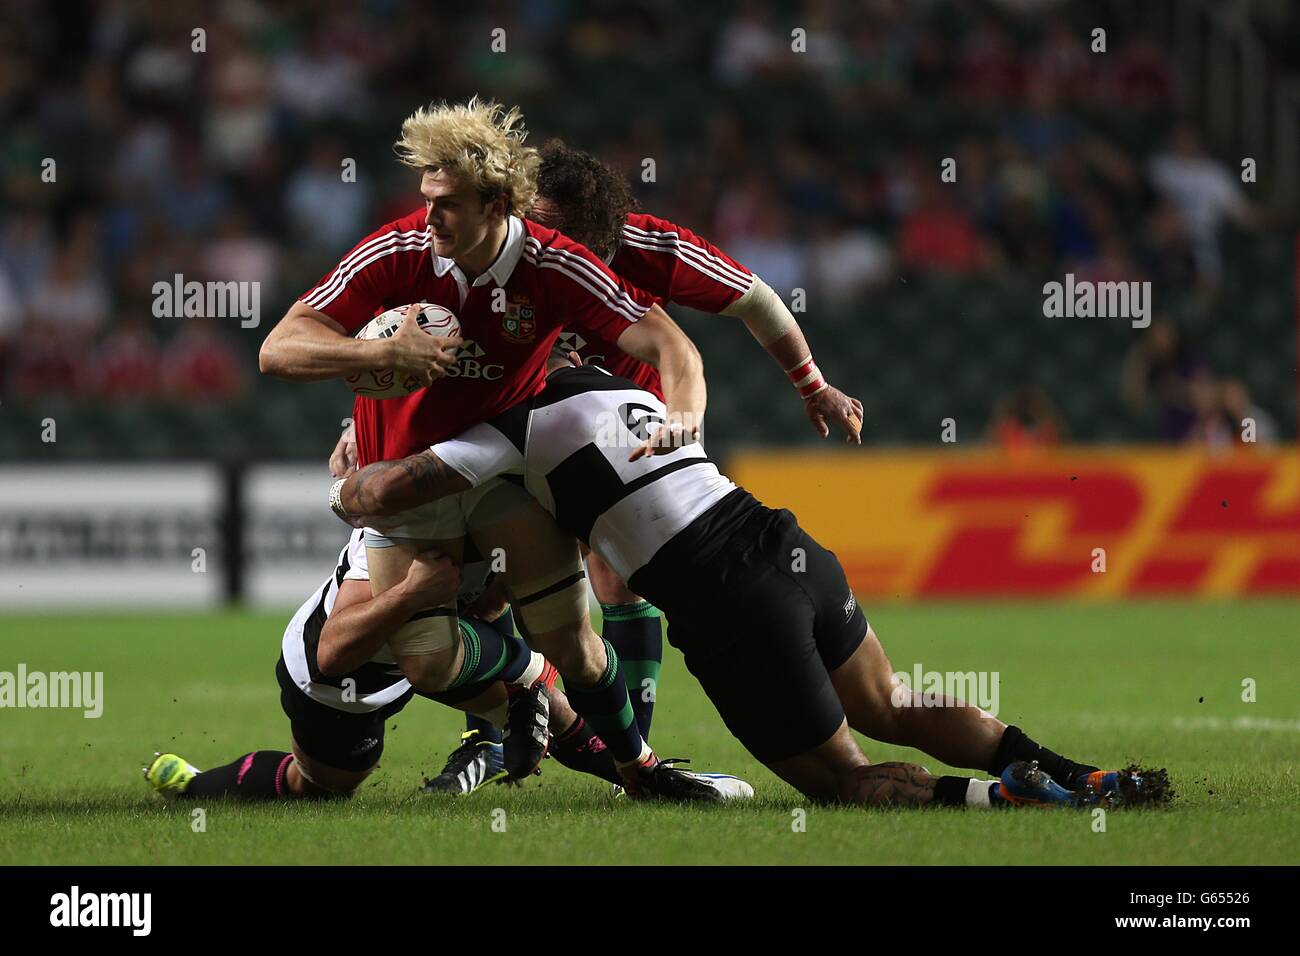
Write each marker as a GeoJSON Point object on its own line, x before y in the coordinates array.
{"type": "Point", "coordinates": [519, 324]}
{"type": "Point", "coordinates": [470, 364]}
{"type": "Point", "coordinates": [574, 341]}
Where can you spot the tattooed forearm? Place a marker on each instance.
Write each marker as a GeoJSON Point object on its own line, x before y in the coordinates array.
{"type": "Point", "coordinates": [424, 472]}
{"type": "Point", "coordinates": [387, 487]}
{"type": "Point", "coordinates": [892, 784]}
{"type": "Point", "coordinates": [359, 494]}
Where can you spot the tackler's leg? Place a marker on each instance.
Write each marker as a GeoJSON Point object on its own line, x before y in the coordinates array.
{"type": "Point", "coordinates": [428, 646]}
{"type": "Point", "coordinates": [543, 570]}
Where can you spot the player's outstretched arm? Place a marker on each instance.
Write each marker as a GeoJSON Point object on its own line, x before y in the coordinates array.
{"type": "Point", "coordinates": [308, 346]}
{"type": "Point", "coordinates": [390, 487]}
{"type": "Point", "coordinates": [772, 325]}
{"type": "Point", "coordinates": [658, 341]}
{"type": "Point", "coordinates": [360, 624]}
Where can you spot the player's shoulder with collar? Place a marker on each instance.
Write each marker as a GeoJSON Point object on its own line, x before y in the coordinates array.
{"type": "Point", "coordinates": [401, 243]}
{"type": "Point", "coordinates": [642, 222]}
{"type": "Point", "coordinates": [413, 222]}
{"type": "Point", "coordinates": [544, 240]}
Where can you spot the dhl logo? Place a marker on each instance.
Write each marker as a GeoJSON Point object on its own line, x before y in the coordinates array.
{"type": "Point", "coordinates": [1083, 524]}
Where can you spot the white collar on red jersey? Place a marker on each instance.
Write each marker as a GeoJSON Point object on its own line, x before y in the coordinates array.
{"type": "Point", "coordinates": [503, 266]}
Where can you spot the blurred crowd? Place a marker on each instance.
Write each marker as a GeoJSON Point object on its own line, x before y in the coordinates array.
{"type": "Point", "coordinates": [224, 155]}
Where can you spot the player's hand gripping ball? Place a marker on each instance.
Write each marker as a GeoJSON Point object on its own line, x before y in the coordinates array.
{"type": "Point", "coordinates": [390, 382]}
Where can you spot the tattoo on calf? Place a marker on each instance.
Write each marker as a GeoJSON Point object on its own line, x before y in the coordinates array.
{"type": "Point", "coordinates": [894, 784]}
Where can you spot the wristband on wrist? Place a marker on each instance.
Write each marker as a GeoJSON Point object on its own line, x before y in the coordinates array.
{"type": "Point", "coordinates": [336, 499]}
{"type": "Point", "coordinates": [807, 378]}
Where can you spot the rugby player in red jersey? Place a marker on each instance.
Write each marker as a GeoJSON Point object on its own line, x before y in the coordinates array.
{"type": "Point", "coordinates": [514, 286]}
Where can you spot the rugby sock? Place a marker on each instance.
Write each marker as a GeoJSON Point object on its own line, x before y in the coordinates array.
{"type": "Point", "coordinates": [581, 750]}
{"type": "Point", "coordinates": [485, 728]}
{"type": "Point", "coordinates": [255, 776]}
{"type": "Point", "coordinates": [636, 633]}
{"type": "Point", "coordinates": [966, 792]}
{"type": "Point", "coordinates": [606, 707]}
{"type": "Point", "coordinates": [489, 724]}
{"type": "Point", "coordinates": [1016, 745]}
{"type": "Point", "coordinates": [490, 655]}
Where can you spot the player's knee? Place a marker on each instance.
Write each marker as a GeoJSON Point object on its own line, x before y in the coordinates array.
{"type": "Point", "coordinates": [577, 653]}
{"type": "Point", "coordinates": [308, 780]}
{"type": "Point", "coordinates": [879, 702]}
{"type": "Point", "coordinates": [606, 583]}
{"type": "Point", "coordinates": [427, 672]}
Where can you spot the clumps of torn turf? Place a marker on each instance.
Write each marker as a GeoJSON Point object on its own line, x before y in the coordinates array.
{"type": "Point", "coordinates": [1144, 787]}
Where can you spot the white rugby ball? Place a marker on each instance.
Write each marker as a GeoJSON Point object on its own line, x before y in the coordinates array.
{"type": "Point", "coordinates": [385, 382]}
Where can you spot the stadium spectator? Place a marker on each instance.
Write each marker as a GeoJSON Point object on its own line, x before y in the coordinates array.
{"type": "Point", "coordinates": [128, 365]}
{"type": "Point", "coordinates": [749, 45]}
{"type": "Point", "coordinates": [26, 249]}
{"type": "Point", "coordinates": [1026, 419]}
{"type": "Point", "coordinates": [1210, 425]}
{"type": "Point", "coordinates": [1140, 77]}
{"type": "Point", "coordinates": [11, 311]}
{"type": "Point", "coordinates": [1161, 371]}
{"type": "Point", "coordinates": [241, 118]}
{"type": "Point", "coordinates": [991, 72]}
{"type": "Point", "coordinates": [200, 366]}
{"type": "Point", "coordinates": [47, 364]}
{"type": "Point", "coordinates": [1205, 193]}
{"type": "Point", "coordinates": [845, 261]}
{"type": "Point", "coordinates": [1169, 255]}
{"type": "Point", "coordinates": [12, 316]}
{"type": "Point", "coordinates": [237, 254]}
{"type": "Point", "coordinates": [73, 295]}
{"type": "Point", "coordinates": [939, 235]}
{"type": "Point", "coordinates": [1062, 61]}
{"type": "Point", "coordinates": [325, 211]}
{"type": "Point", "coordinates": [1240, 408]}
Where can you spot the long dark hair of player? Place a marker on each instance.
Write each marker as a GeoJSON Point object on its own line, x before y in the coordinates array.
{"type": "Point", "coordinates": [593, 199]}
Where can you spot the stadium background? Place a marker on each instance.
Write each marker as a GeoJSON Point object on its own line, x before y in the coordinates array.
{"type": "Point", "coordinates": [819, 169]}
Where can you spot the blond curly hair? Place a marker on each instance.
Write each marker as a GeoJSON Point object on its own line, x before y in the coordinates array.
{"type": "Point", "coordinates": [480, 141]}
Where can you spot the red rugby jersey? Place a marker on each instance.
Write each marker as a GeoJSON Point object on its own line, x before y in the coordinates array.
{"type": "Point", "coordinates": [551, 283]}
{"type": "Point", "coordinates": [674, 265]}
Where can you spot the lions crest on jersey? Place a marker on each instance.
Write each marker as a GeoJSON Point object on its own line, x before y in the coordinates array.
{"type": "Point", "coordinates": [519, 324]}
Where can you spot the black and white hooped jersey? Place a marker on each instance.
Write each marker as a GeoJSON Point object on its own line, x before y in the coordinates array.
{"type": "Point", "coordinates": [571, 444]}
{"type": "Point", "coordinates": [377, 682]}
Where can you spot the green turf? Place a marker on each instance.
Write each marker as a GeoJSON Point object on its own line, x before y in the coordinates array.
{"type": "Point", "coordinates": [1157, 682]}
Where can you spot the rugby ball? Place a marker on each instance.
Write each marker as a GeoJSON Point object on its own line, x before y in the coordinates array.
{"type": "Point", "coordinates": [385, 382]}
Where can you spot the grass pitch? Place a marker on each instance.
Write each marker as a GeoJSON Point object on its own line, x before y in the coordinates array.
{"type": "Point", "coordinates": [1159, 683]}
